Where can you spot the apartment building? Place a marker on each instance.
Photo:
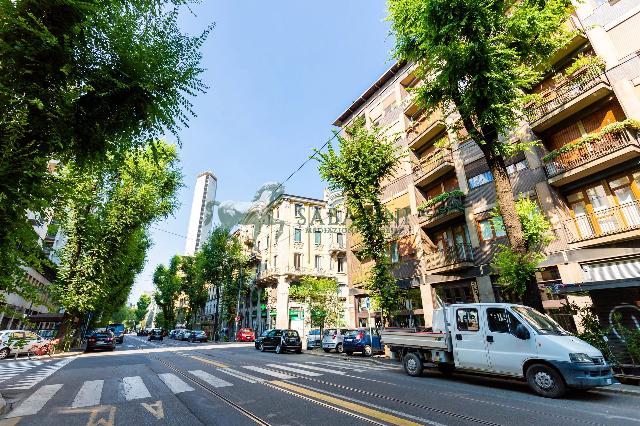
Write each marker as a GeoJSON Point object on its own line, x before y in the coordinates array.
{"type": "Point", "coordinates": [292, 237]}
{"type": "Point", "coordinates": [201, 217]}
{"type": "Point", "coordinates": [584, 174]}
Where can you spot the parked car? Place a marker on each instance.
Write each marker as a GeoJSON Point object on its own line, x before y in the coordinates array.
{"type": "Point", "coordinates": [17, 342]}
{"type": "Point", "coordinates": [172, 334]}
{"type": "Point", "coordinates": [156, 334]}
{"type": "Point", "coordinates": [332, 339]}
{"type": "Point", "coordinates": [258, 339]}
{"type": "Point", "coordinates": [245, 335]}
{"type": "Point", "coordinates": [47, 334]}
{"type": "Point", "coordinates": [141, 332]}
{"type": "Point", "coordinates": [197, 336]}
{"type": "Point", "coordinates": [361, 340]}
{"type": "Point", "coordinates": [118, 331]}
{"type": "Point", "coordinates": [183, 334]}
{"type": "Point", "coordinates": [281, 341]}
{"type": "Point", "coordinates": [100, 338]}
{"type": "Point", "coordinates": [314, 339]}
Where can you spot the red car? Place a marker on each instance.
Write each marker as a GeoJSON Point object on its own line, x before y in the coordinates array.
{"type": "Point", "coordinates": [245, 335]}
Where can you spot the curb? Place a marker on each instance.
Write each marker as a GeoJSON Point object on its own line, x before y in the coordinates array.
{"type": "Point", "coordinates": [353, 358]}
{"type": "Point", "coordinates": [616, 389]}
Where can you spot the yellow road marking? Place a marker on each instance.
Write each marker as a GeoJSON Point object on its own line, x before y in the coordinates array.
{"type": "Point", "coordinates": [378, 415]}
{"type": "Point", "coordinates": [10, 422]}
{"type": "Point", "coordinates": [155, 409]}
{"type": "Point", "coordinates": [94, 420]}
{"type": "Point", "coordinates": [208, 361]}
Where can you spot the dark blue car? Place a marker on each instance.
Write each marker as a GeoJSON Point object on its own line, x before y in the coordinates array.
{"type": "Point", "coordinates": [361, 341]}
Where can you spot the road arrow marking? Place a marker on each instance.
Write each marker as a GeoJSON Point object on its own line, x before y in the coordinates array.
{"type": "Point", "coordinates": [155, 409]}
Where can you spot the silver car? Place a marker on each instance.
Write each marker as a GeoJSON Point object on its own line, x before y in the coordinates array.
{"type": "Point", "coordinates": [332, 339]}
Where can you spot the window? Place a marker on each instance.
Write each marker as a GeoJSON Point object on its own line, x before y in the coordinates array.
{"type": "Point", "coordinates": [275, 261]}
{"type": "Point", "coordinates": [318, 262]}
{"type": "Point", "coordinates": [501, 321]}
{"type": "Point", "coordinates": [340, 239]}
{"type": "Point", "coordinates": [318, 237]}
{"type": "Point", "coordinates": [480, 179]}
{"type": "Point", "coordinates": [338, 216]}
{"type": "Point", "coordinates": [276, 213]}
{"type": "Point", "coordinates": [491, 228]}
{"type": "Point", "coordinates": [297, 235]}
{"type": "Point", "coordinates": [516, 167]}
{"type": "Point", "coordinates": [267, 241]}
{"type": "Point", "coordinates": [258, 244]}
{"type": "Point", "coordinates": [297, 260]}
{"type": "Point", "coordinates": [341, 264]}
{"type": "Point", "coordinates": [395, 254]}
{"type": "Point", "coordinates": [467, 319]}
{"type": "Point", "coordinates": [298, 210]}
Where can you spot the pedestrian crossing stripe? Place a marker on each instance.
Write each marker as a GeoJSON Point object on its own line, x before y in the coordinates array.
{"type": "Point", "coordinates": [174, 383]}
{"type": "Point", "coordinates": [268, 372]}
{"type": "Point", "coordinates": [211, 380]}
{"type": "Point", "coordinates": [295, 370]}
{"type": "Point", "coordinates": [89, 394]}
{"type": "Point", "coordinates": [134, 388]}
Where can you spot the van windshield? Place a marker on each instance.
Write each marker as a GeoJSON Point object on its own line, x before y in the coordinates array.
{"type": "Point", "coordinates": [543, 324]}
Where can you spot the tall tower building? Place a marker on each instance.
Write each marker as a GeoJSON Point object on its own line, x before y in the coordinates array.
{"type": "Point", "coordinates": [201, 219]}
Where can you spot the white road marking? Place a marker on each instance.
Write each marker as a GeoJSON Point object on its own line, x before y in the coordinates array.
{"type": "Point", "coordinates": [212, 380]}
{"type": "Point", "coordinates": [174, 383]}
{"type": "Point", "coordinates": [35, 402]}
{"type": "Point", "coordinates": [313, 367]}
{"type": "Point", "coordinates": [294, 370]}
{"type": "Point", "coordinates": [134, 388]}
{"type": "Point", "coordinates": [240, 375]}
{"type": "Point", "coordinates": [33, 379]}
{"type": "Point", "coordinates": [89, 394]}
{"type": "Point", "coordinates": [268, 372]}
{"type": "Point", "coordinates": [344, 367]}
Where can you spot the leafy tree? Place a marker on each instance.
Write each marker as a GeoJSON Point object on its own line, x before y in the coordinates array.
{"type": "Point", "coordinates": [193, 286]}
{"type": "Point", "coordinates": [167, 286]}
{"type": "Point", "coordinates": [122, 315]}
{"type": "Point", "coordinates": [82, 80]}
{"type": "Point", "coordinates": [321, 296]}
{"type": "Point", "coordinates": [106, 225]}
{"type": "Point", "coordinates": [141, 307]}
{"type": "Point", "coordinates": [480, 56]}
{"type": "Point", "coordinates": [365, 159]}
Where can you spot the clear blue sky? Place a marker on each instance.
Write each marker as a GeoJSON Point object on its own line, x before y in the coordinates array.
{"type": "Point", "coordinates": [279, 73]}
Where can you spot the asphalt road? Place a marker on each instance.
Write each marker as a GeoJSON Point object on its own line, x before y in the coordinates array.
{"type": "Point", "coordinates": [178, 383]}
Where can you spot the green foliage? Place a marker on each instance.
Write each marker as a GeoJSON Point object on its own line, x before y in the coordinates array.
{"type": "Point", "coordinates": [515, 269]}
{"type": "Point", "coordinates": [105, 220]}
{"type": "Point", "coordinates": [440, 198]}
{"type": "Point", "coordinates": [321, 296]}
{"type": "Point", "coordinates": [193, 286]}
{"type": "Point", "coordinates": [167, 284]}
{"type": "Point", "coordinates": [613, 128]}
{"type": "Point", "coordinates": [536, 227]}
{"type": "Point", "coordinates": [141, 307]}
{"type": "Point", "coordinates": [583, 61]}
{"type": "Point", "coordinates": [592, 331]}
{"type": "Point", "coordinates": [364, 160]}
{"type": "Point", "coordinates": [82, 81]}
{"type": "Point", "coordinates": [123, 314]}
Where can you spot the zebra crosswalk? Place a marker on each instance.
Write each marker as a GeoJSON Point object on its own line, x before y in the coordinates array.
{"type": "Point", "coordinates": [38, 375]}
{"type": "Point", "coordinates": [139, 388]}
{"type": "Point", "coordinates": [10, 369]}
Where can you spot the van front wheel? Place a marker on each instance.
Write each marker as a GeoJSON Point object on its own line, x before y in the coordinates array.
{"type": "Point", "coordinates": [413, 364]}
{"type": "Point", "coordinates": [545, 381]}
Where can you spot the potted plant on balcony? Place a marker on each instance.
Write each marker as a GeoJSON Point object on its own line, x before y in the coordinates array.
{"type": "Point", "coordinates": [442, 204]}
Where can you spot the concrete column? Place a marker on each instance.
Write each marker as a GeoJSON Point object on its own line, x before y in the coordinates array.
{"type": "Point", "coordinates": [426, 293]}
{"type": "Point", "coordinates": [485, 289]}
{"type": "Point", "coordinates": [603, 46]}
{"type": "Point", "coordinates": [282, 303]}
{"type": "Point", "coordinates": [626, 94]}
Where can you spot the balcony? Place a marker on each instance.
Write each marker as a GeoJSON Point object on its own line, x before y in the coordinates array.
{"type": "Point", "coordinates": [356, 243]}
{"type": "Point", "coordinates": [297, 272]}
{"type": "Point", "coordinates": [441, 209]}
{"type": "Point", "coordinates": [337, 248]}
{"type": "Point", "coordinates": [592, 154]}
{"type": "Point", "coordinates": [268, 275]}
{"type": "Point", "coordinates": [450, 258]}
{"type": "Point", "coordinates": [409, 105]}
{"type": "Point", "coordinates": [576, 39]}
{"type": "Point", "coordinates": [432, 167]}
{"type": "Point", "coordinates": [575, 93]}
{"type": "Point", "coordinates": [424, 129]}
{"type": "Point", "coordinates": [606, 225]}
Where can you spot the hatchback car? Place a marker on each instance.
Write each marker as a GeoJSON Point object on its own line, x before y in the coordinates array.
{"type": "Point", "coordinates": [332, 339]}
{"type": "Point", "coordinates": [260, 337]}
{"type": "Point", "coordinates": [17, 342]}
{"type": "Point", "coordinates": [118, 331]}
{"type": "Point", "coordinates": [245, 335]}
{"type": "Point", "coordinates": [362, 341]}
{"type": "Point", "coordinates": [197, 336]}
{"type": "Point", "coordinates": [183, 334]}
{"type": "Point", "coordinates": [100, 338]}
{"type": "Point", "coordinates": [155, 334]}
{"type": "Point", "coordinates": [314, 339]}
{"type": "Point", "coordinates": [282, 341]}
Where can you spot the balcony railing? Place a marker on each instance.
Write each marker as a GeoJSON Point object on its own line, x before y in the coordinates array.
{"type": "Point", "coordinates": [574, 86]}
{"type": "Point", "coordinates": [428, 164]}
{"type": "Point", "coordinates": [453, 256]}
{"type": "Point", "coordinates": [604, 222]}
{"type": "Point", "coordinates": [302, 271]}
{"type": "Point", "coordinates": [337, 247]}
{"type": "Point", "coordinates": [589, 151]}
{"type": "Point", "coordinates": [422, 124]}
{"type": "Point", "coordinates": [267, 274]}
{"type": "Point", "coordinates": [453, 203]}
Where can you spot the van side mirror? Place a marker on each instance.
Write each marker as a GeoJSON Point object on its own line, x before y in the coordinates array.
{"type": "Point", "coordinates": [522, 332]}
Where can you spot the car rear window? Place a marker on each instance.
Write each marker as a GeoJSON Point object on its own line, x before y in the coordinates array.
{"type": "Point", "coordinates": [116, 327]}
{"type": "Point", "coordinates": [329, 331]}
{"type": "Point", "coordinates": [291, 333]}
{"type": "Point", "coordinates": [246, 330]}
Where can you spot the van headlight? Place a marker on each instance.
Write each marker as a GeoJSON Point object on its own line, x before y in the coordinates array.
{"type": "Point", "coordinates": [580, 358]}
